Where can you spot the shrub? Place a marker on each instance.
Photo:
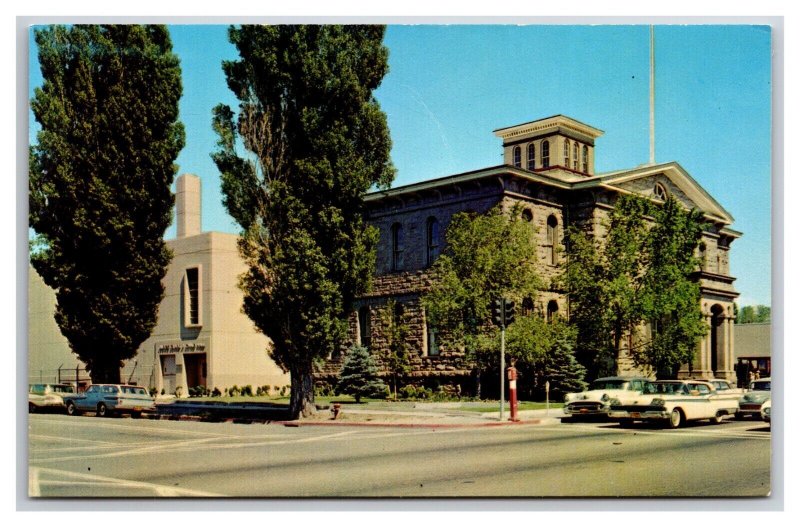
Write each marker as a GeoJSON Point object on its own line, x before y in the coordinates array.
{"type": "Point", "coordinates": [409, 391]}
{"type": "Point", "coordinates": [234, 391]}
{"type": "Point", "coordinates": [152, 391]}
{"type": "Point", "coordinates": [163, 391]}
{"type": "Point", "coordinates": [265, 389]}
{"type": "Point", "coordinates": [247, 390]}
{"type": "Point", "coordinates": [216, 392]}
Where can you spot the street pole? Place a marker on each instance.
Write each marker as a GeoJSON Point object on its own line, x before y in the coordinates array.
{"type": "Point", "coordinates": [502, 368]}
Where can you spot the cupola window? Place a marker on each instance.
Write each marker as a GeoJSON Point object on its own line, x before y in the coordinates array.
{"type": "Point", "coordinates": [566, 153]}
{"type": "Point", "coordinates": [545, 154]}
{"type": "Point", "coordinates": [517, 156]}
{"type": "Point", "coordinates": [531, 156]}
{"type": "Point", "coordinates": [575, 155]}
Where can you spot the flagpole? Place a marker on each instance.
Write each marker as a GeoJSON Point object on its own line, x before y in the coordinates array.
{"type": "Point", "coordinates": [652, 96]}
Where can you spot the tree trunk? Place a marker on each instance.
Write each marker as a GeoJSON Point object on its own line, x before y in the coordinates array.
{"type": "Point", "coordinates": [104, 373]}
{"type": "Point", "coordinates": [301, 400]}
{"type": "Point", "coordinates": [477, 383]}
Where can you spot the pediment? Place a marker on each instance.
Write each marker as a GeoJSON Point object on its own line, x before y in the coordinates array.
{"type": "Point", "coordinates": [675, 180]}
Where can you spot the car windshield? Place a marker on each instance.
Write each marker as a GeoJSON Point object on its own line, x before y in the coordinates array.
{"type": "Point", "coordinates": [760, 385]}
{"type": "Point", "coordinates": [63, 389]}
{"type": "Point", "coordinates": [665, 387]}
{"type": "Point", "coordinates": [608, 384]}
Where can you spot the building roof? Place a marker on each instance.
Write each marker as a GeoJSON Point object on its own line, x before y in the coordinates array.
{"type": "Point", "coordinates": [612, 181]}
{"type": "Point", "coordinates": [547, 125]}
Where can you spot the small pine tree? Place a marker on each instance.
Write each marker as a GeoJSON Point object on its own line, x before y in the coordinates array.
{"type": "Point", "coordinates": [563, 370]}
{"type": "Point", "coordinates": [359, 375]}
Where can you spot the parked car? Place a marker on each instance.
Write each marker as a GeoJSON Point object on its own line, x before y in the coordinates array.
{"type": "Point", "coordinates": [750, 403]}
{"type": "Point", "coordinates": [48, 396]}
{"type": "Point", "coordinates": [110, 399]}
{"type": "Point", "coordinates": [766, 410]}
{"type": "Point", "coordinates": [724, 387]}
{"type": "Point", "coordinates": [596, 401]}
{"type": "Point", "coordinates": [674, 403]}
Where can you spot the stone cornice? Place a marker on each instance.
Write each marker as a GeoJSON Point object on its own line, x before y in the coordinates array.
{"type": "Point", "coordinates": [548, 125]}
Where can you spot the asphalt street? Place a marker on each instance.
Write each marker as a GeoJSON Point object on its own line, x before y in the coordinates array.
{"type": "Point", "coordinates": [120, 457]}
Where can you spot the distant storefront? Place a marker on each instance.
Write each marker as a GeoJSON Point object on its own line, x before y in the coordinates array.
{"type": "Point", "coordinates": [753, 351]}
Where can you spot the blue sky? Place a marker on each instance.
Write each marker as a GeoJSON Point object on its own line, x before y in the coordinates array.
{"type": "Point", "coordinates": [449, 86]}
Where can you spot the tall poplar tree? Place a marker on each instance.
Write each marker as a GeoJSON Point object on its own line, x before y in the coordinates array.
{"type": "Point", "coordinates": [99, 181]}
{"type": "Point", "coordinates": [315, 142]}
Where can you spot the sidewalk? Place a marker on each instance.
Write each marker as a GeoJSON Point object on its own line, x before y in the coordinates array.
{"type": "Point", "coordinates": [437, 417]}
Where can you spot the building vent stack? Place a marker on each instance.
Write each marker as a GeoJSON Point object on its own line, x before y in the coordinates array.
{"type": "Point", "coordinates": [187, 204]}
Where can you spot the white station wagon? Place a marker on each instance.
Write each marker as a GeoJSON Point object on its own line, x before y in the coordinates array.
{"type": "Point", "coordinates": [674, 403]}
{"type": "Point", "coordinates": [596, 401]}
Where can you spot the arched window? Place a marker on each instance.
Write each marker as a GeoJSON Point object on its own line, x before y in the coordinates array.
{"type": "Point", "coordinates": [575, 155]}
{"type": "Point", "coordinates": [531, 156]}
{"type": "Point", "coordinates": [566, 153]}
{"type": "Point", "coordinates": [397, 247]}
{"type": "Point", "coordinates": [545, 153]}
{"type": "Point", "coordinates": [364, 327]}
{"type": "Point", "coordinates": [432, 239]}
{"type": "Point", "coordinates": [527, 215]}
{"type": "Point", "coordinates": [585, 159]}
{"type": "Point", "coordinates": [660, 192]}
{"type": "Point", "coordinates": [527, 306]}
{"type": "Point", "coordinates": [552, 310]}
{"type": "Point", "coordinates": [517, 156]}
{"type": "Point", "coordinates": [552, 239]}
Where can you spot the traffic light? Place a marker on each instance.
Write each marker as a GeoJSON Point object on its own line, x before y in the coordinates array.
{"type": "Point", "coordinates": [497, 311]}
{"type": "Point", "coordinates": [508, 312]}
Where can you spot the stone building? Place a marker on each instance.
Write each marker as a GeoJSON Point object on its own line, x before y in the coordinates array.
{"type": "Point", "coordinates": [548, 169]}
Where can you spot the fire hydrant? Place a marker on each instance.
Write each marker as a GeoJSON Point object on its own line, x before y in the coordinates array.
{"type": "Point", "coordinates": [336, 409]}
{"type": "Point", "coordinates": [512, 391]}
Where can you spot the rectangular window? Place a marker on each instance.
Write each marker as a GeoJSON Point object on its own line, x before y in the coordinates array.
{"type": "Point", "coordinates": [191, 293]}
{"type": "Point", "coordinates": [433, 346]}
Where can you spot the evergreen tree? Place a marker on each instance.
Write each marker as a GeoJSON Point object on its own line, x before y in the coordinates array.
{"type": "Point", "coordinates": [544, 351]}
{"type": "Point", "coordinates": [486, 256]}
{"type": "Point", "coordinates": [99, 181]}
{"type": "Point", "coordinates": [359, 375]}
{"type": "Point", "coordinates": [316, 141]}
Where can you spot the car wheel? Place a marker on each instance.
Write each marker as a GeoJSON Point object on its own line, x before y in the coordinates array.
{"type": "Point", "coordinates": [625, 423]}
{"type": "Point", "coordinates": [102, 410]}
{"type": "Point", "coordinates": [136, 415]}
{"type": "Point", "coordinates": [675, 418]}
{"type": "Point", "coordinates": [717, 419]}
{"type": "Point", "coordinates": [71, 410]}
{"type": "Point", "coordinates": [738, 416]}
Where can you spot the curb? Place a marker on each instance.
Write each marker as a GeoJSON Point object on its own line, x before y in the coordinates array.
{"type": "Point", "coordinates": [372, 424]}
{"type": "Point", "coordinates": [298, 424]}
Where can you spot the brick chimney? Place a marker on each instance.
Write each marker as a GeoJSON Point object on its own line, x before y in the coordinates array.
{"type": "Point", "coordinates": [187, 205]}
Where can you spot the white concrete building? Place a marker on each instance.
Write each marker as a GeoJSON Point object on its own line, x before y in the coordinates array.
{"type": "Point", "coordinates": [202, 337]}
